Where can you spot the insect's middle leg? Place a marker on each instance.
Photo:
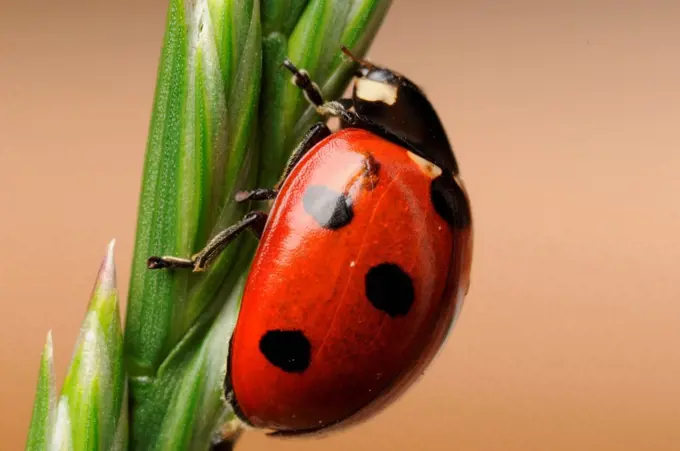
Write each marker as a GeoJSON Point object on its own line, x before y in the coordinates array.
{"type": "Point", "coordinates": [254, 221]}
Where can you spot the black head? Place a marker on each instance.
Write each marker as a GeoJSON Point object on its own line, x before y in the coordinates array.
{"type": "Point", "coordinates": [395, 103]}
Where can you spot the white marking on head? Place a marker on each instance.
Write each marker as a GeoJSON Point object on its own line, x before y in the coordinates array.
{"type": "Point", "coordinates": [431, 170]}
{"type": "Point", "coordinates": [375, 91]}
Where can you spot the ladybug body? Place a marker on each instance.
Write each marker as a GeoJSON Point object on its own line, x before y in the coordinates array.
{"type": "Point", "coordinates": [345, 292]}
{"type": "Point", "coordinates": [362, 266]}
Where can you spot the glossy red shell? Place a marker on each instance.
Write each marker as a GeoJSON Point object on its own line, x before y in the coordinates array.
{"type": "Point", "coordinates": [313, 279]}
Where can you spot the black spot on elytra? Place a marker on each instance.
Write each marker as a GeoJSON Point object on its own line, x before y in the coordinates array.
{"type": "Point", "coordinates": [390, 289]}
{"type": "Point", "coordinates": [288, 350]}
{"type": "Point", "coordinates": [449, 201]}
{"type": "Point", "coordinates": [330, 209]}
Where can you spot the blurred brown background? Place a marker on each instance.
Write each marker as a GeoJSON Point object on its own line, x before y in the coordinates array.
{"type": "Point", "coordinates": [565, 116]}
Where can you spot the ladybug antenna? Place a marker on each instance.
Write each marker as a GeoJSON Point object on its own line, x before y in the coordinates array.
{"type": "Point", "coordinates": [360, 61]}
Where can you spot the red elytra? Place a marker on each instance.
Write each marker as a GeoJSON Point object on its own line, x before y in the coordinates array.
{"type": "Point", "coordinates": [351, 354]}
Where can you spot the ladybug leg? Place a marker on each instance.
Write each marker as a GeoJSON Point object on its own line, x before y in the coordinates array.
{"type": "Point", "coordinates": [255, 221]}
{"type": "Point", "coordinates": [314, 96]}
{"type": "Point", "coordinates": [256, 194]}
{"type": "Point", "coordinates": [315, 135]}
{"type": "Point", "coordinates": [335, 108]}
{"type": "Point", "coordinates": [302, 80]}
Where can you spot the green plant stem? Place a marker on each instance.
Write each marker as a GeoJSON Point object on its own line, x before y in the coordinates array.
{"type": "Point", "coordinates": [224, 118]}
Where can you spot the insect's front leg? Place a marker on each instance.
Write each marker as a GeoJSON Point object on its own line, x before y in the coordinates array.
{"type": "Point", "coordinates": [315, 135]}
{"type": "Point", "coordinates": [314, 96]}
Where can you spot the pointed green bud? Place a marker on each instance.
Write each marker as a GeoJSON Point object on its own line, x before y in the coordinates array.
{"type": "Point", "coordinates": [91, 404]}
{"type": "Point", "coordinates": [45, 405]}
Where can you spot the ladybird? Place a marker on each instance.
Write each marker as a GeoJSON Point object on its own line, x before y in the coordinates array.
{"type": "Point", "coordinates": [362, 266]}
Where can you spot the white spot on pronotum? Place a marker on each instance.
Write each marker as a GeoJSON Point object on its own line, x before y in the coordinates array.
{"type": "Point", "coordinates": [375, 91]}
{"type": "Point", "coordinates": [352, 264]}
{"type": "Point", "coordinates": [428, 168]}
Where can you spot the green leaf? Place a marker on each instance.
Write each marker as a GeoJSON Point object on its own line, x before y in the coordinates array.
{"type": "Point", "coordinates": [92, 401]}
{"type": "Point", "coordinates": [272, 107]}
{"type": "Point", "coordinates": [44, 407]}
{"type": "Point", "coordinates": [91, 413]}
{"type": "Point", "coordinates": [211, 61]}
{"type": "Point", "coordinates": [281, 17]}
{"type": "Point", "coordinates": [61, 436]}
{"type": "Point", "coordinates": [145, 340]}
{"type": "Point", "coordinates": [184, 403]}
{"type": "Point", "coordinates": [197, 396]}
{"type": "Point", "coordinates": [196, 159]}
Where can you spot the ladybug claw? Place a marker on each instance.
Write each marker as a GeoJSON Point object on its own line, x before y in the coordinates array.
{"type": "Point", "coordinates": [156, 263]}
{"type": "Point", "coordinates": [241, 196]}
{"type": "Point", "coordinates": [288, 64]}
{"type": "Point", "coordinates": [256, 194]}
